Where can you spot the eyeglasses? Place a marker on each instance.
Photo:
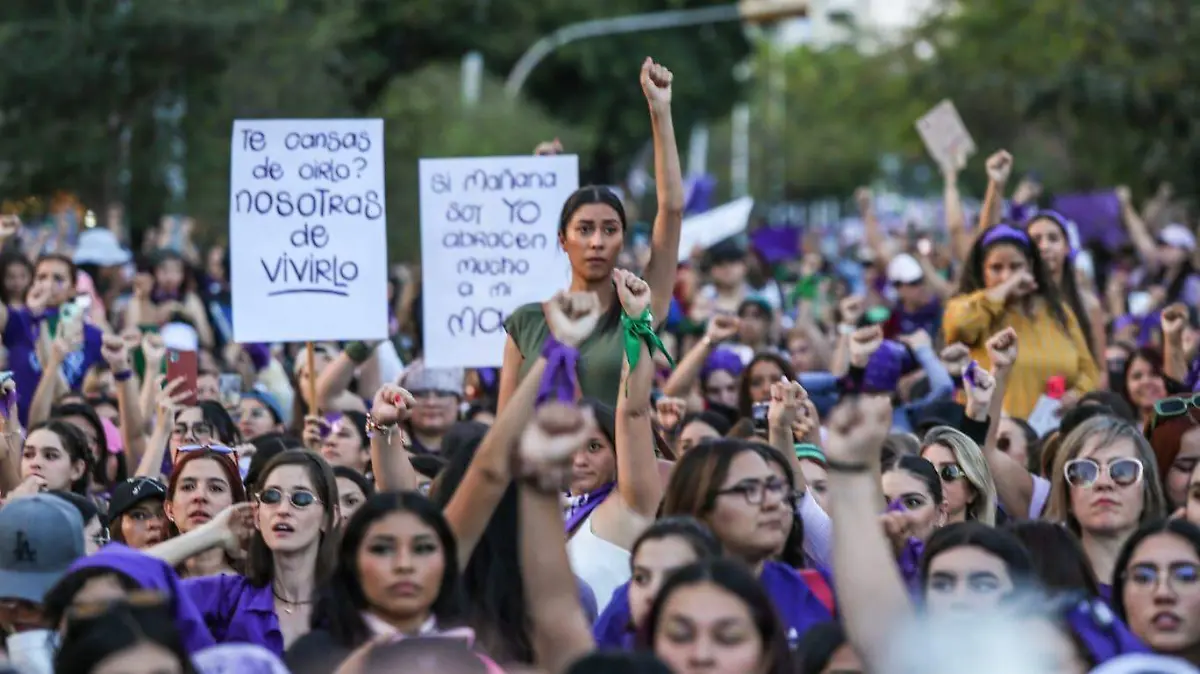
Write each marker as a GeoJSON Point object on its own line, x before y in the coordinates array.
{"type": "Point", "coordinates": [200, 429]}
{"type": "Point", "coordinates": [299, 499]}
{"type": "Point", "coordinates": [951, 473]}
{"type": "Point", "coordinates": [1180, 576]}
{"type": "Point", "coordinates": [755, 491]}
{"type": "Point", "coordinates": [1172, 407]}
{"type": "Point", "coordinates": [1086, 472]}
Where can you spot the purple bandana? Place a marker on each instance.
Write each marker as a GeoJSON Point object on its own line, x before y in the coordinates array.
{"type": "Point", "coordinates": [579, 507]}
{"type": "Point", "coordinates": [1101, 631]}
{"type": "Point", "coordinates": [560, 380]}
{"type": "Point", "coordinates": [1004, 233]}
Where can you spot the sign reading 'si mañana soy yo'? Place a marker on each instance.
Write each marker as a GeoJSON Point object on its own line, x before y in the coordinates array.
{"type": "Point", "coordinates": [489, 244]}
{"type": "Point", "coordinates": [308, 230]}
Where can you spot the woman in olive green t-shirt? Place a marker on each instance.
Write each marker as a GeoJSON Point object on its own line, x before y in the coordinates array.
{"type": "Point", "coordinates": [591, 229]}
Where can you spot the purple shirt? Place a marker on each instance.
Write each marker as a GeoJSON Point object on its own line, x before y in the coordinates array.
{"type": "Point", "coordinates": [236, 611]}
{"type": "Point", "coordinates": [798, 607]}
{"type": "Point", "coordinates": [20, 338]}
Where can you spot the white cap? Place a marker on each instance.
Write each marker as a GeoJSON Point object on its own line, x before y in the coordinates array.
{"type": "Point", "coordinates": [1178, 236]}
{"type": "Point", "coordinates": [904, 269]}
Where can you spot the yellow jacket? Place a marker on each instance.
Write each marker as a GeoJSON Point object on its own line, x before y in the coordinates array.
{"type": "Point", "coordinates": [1044, 348]}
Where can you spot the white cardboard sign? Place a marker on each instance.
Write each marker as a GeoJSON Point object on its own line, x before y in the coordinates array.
{"type": "Point", "coordinates": [308, 230]}
{"type": "Point", "coordinates": [489, 243]}
{"type": "Point", "coordinates": [945, 136]}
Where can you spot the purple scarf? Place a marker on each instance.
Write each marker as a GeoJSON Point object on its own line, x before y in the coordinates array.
{"type": "Point", "coordinates": [560, 380]}
{"type": "Point", "coordinates": [579, 507]}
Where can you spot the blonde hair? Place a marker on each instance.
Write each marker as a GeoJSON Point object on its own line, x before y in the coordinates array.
{"type": "Point", "coordinates": [1106, 430]}
{"type": "Point", "coordinates": [974, 466]}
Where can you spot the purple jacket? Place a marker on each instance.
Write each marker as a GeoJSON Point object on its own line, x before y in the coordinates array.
{"type": "Point", "coordinates": [154, 574]}
{"type": "Point", "coordinates": [20, 338]}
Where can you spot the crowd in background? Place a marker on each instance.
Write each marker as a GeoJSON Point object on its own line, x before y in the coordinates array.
{"type": "Point", "coordinates": [975, 450]}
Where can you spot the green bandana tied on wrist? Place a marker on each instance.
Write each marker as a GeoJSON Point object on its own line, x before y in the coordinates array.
{"type": "Point", "coordinates": [638, 331]}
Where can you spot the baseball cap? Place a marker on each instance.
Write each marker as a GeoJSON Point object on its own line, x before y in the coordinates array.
{"type": "Point", "coordinates": [40, 536]}
{"type": "Point", "coordinates": [262, 395]}
{"type": "Point", "coordinates": [418, 377]}
{"type": "Point", "coordinates": [904, 269]}
{"type": "Point", "coordinates": [132, 492]}
{"type": "Point", "coordinates": [1178, 236]}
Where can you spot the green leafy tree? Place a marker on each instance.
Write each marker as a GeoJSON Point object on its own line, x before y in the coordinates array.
{"type": "Point", "coordinates": [592, 83]}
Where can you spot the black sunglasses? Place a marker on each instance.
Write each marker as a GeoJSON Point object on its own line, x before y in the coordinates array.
{"type": "Point", "coordinates": [951, 473]}
{"type": "Point", "coordinates": [299, 499]}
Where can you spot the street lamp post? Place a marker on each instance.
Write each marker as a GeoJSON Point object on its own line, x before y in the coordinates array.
{"type": "Point", "coordinates": [753, 11]}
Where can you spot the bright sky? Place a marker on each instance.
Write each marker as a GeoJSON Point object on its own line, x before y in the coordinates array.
{"type": "Point", "coordinates": [896, 13]}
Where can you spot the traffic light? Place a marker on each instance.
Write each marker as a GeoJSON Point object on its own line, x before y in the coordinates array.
{"type": "Point", "coordinates": [769, 11]}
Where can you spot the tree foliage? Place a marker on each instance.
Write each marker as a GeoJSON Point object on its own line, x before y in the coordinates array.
{"type": "Point", "coordinates": [110, 99]}
{"type": "Point", "coordinates": [1089, 94]}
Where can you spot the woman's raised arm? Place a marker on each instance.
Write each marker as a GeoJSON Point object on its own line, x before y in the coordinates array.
{"type": "Point", "coordinates": [668, 178]}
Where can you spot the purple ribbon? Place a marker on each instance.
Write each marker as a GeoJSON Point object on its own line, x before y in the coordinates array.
{"type": "Point", "coordinates": [909, 559]}
{"type": "Point", "coordinates": [1101, 631]}
{"type": "Point", "coordinates": [7, 400]}
{"type": "Point", "coordinates": [579, 507]}
{"type": "Point", "coordinates": [1193, 375]}
{"type": "Point", "coordinates": [560, 380]}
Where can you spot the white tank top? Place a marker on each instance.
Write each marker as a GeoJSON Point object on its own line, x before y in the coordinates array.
{"type": "Point", "coordinates": [602, 565]}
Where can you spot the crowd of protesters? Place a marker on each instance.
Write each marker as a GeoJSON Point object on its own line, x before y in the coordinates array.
{"type": "Point", "coordinates": [972, 454]}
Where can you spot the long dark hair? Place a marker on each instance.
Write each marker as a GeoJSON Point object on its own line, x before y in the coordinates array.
{"type": "Point", "coordinates": [745, 405]}
{"type": "Point", "coordinates": [9, 259]}
{"type": "Point", "coordinates": [1178, 527]}
{"type": "Point", "coordinates": [590, 194]}
{"type": "Point", "coordinates": [75, 444]}
{"type": "Point", "coordinates": [793, 548]}
{"type": "Point", "coordinates": [492, 580]}
{"type": "Point", "coordinates": [736, 579]}
{"type": "Point", "coordinates": [698, 537]}
{"type": "Point", "coordinates": [260, 565]}
{"type": "Point", "coordinates": [345, 601]}
{"type": "Point", "coordinates": [920, 468]}
{"type": "Point", "coordinates": [1058, 558]}
{"type": "Point", "coordinates": [1069, 288]}
{"type": "Point", "coordinates": [971, 279]}
{"type": "Point", "coordinates": [89, 641]}
{"type": "Point", "coordinates": [996, 542]}
{"type": "Point", "coordinates": [99, 463]}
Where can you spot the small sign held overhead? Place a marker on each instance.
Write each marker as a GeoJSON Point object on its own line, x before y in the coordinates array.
{"type": "Point", "coordinates": [945, 136]}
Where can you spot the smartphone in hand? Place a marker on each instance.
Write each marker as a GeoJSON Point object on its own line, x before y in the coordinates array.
{"type": "Point", "coordinates": [184, 365]}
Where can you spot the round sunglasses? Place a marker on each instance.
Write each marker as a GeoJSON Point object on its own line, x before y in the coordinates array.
{"type": "Point", "coordinates": [300, 499]}
{"type": "Point", "coordinates": [951, 473]}
{"type": "Point", "coordinates": [1086, 472]}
